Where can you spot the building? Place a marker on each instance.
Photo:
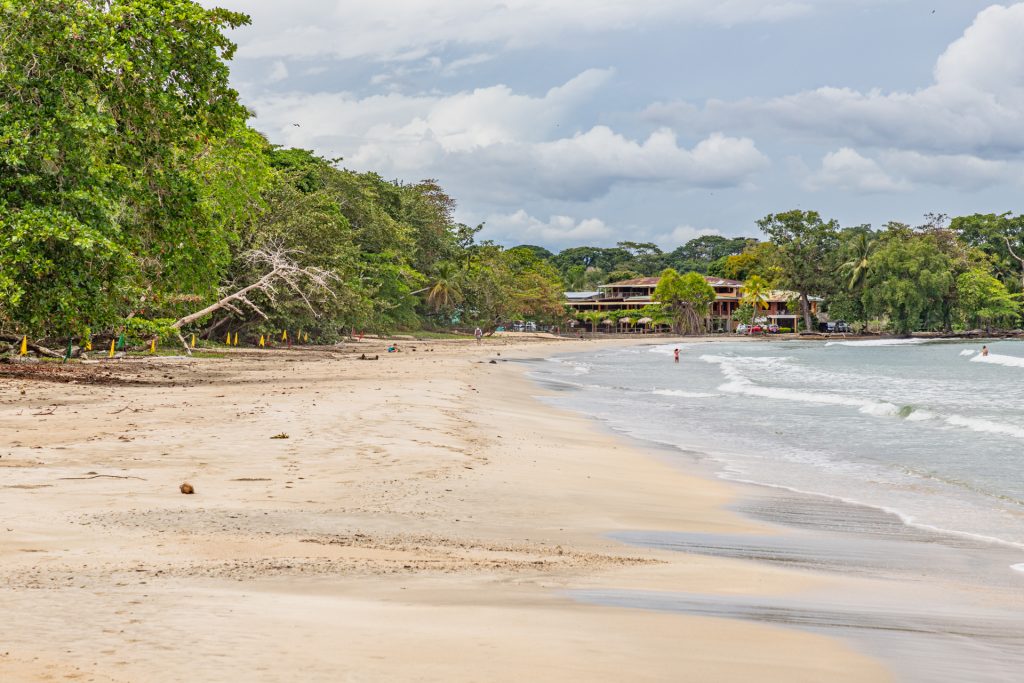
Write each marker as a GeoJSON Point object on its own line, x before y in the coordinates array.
{"type": "Point", "coordinates": [636, 293]}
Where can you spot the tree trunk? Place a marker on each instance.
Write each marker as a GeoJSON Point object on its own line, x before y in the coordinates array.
{"type": "Point", "coordinates": [805, 306]}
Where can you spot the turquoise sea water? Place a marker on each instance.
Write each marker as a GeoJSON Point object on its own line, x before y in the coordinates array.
{"type": "Point", "coordinates": [928, 430]}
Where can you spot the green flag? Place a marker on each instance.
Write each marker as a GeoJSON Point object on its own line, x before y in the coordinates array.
{"type": "Point", "coordinates": [67, 354]}
{"type": "Point", "coordinates": [120, 342]}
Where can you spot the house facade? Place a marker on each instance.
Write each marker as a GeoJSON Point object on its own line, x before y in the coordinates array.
{"type": "Point", "coordinates": [639, 292]}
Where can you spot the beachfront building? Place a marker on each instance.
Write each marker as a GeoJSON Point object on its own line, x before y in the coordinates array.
{"type": "Point", "coordinates": [639, 292]}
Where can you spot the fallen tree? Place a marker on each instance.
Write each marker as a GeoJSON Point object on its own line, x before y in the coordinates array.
{"type": "Point", "coordinates": [282, 274]}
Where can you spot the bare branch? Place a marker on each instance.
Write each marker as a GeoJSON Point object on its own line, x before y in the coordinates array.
{"type": "Point", "coordinates": [280, 269]}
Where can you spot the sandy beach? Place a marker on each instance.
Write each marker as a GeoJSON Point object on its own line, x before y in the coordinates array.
{"type": "Point", "coordinates": [427, 518]}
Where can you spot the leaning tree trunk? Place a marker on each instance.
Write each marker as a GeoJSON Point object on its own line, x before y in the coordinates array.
{"type": "Point", "coordinates": [281, 269]}
{"type": "Point", "coordinates": [805, 306]}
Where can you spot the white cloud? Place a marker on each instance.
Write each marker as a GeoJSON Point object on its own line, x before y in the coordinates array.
{"type": "Point", "coordinates": [975, 104]}
{"type": "Point", "coordinates": [501, 143]}
{"type": "Point", "coordinates": [848, 170]}
{"type": "Point", "coordinates": [679, 235]}
{"type": "Point", "coordinates": [557, 231]}
{"type": "Point", "coordinates": [278, 72]}
{"type": "Point", "coordinates": [959, 171]}
{"type": "Point", "coordinates": [410, 29]}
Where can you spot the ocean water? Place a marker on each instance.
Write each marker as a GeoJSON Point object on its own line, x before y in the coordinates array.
{"type": "Point", "coordinates": [928, 430]}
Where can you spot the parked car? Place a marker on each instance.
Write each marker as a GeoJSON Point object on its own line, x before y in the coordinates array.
{"type": "Point", "coordinates": [757, 329]}
{"type": "Point", "coordinates": [773, 328]}
{"type": "Point", "coordinates": [742, 328]}
{"type": "Point", "coordinates": [842, 326]}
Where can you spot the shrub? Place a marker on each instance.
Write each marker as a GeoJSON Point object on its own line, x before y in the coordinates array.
{"type": "Point", "coordinates": [784, 330]}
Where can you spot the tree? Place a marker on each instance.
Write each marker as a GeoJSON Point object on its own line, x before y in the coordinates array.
{"type": "Point", "coordinates": [755, 293]}
{"type": "Point", "coordinates": [1001, 236]}
{"type": "Point", "coordinates": [806, 251]}
{"type": "Point", "coordinates": [687, 298]}
{"type": "Point", "coordinates": [757, 259]}
{"type": "Point", "coordinates": [107, 111]}
{"type": "Point", "coordinates": [859, 250]}
{"type": "Point", "coordinates": [982, 299]}
{"type": "Point", "coordinates": [910, 276]}
{"type": "Point", "coordinates": [445, 292]}
{"type": "Point", "coordinates": [280, 271]}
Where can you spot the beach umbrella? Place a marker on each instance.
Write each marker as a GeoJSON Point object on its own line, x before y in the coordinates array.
{"type": "Point", "coordinates": [625, 321]}
{"type": "Point", "coordinates": [606, 321]}
{"type": "Point", "coordinates": [645, 321]}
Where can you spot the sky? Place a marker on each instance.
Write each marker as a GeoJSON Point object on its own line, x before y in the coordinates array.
{"type": "Point", "coordinates": [588, 122]}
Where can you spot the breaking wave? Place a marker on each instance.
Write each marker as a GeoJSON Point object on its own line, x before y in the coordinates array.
{"type": "Point", "coordinates": [997, 359]}
{"type": "Point", "coordinates": [876, 342]}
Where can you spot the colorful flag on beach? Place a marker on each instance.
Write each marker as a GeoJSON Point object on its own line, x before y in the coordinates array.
{"type": "Point", "coordinates": [24, 345]}
{"type": "Point", "coordinates": [262, 341]}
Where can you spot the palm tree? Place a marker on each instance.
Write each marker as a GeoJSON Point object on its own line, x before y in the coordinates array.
{"type": "Point", "coordinates": [861, 249]}
{"type": "Point", "coordinates": [593, 317]}
{"type": "Point", "coordinates": [756, 292]}
{"type": "Point", "coordinates": [446, 291]}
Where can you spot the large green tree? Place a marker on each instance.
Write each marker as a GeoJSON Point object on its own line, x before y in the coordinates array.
{"type": "Point", "coordinates": [106, 108]}
{"type": "Point", "coordinates": [983, 300]}
{"type": "Point", "coordinates": [687, 298]}
{"type": "Point", "coordinates": [909, 279]}
{"type": "Point", "coordinates": [806, 253]}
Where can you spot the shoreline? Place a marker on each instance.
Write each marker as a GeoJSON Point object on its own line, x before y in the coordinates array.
{"type": "Point", "coordinates": [940, 587]}
{"type": "Point", "coordinates": [415, 515]}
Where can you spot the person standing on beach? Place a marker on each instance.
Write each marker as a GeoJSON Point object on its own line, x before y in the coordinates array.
{"type": "Point", "coordinates": [479, 334]}
{"type": "Point", "coordinates": [676, 354]}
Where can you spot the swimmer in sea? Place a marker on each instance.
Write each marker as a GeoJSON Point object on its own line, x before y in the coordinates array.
{"type": "Point", "coordinates": [984, 350]}
{"type": "Point", "coordinates": [676, 354]}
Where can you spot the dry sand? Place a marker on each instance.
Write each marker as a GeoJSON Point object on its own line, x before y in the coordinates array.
{"type": "Point", "coordinates": [423, 521]}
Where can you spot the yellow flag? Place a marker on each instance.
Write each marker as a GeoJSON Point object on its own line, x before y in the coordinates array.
{"type": "Point", "coordinates": [262, 342]}
{"type": "Point", "coordinates": [306, 338]}
{"type": "Point", "coordinates": [284, 335]}
{"type": "Point", "coordinates": [111, 355]}
{"type": "Point", "coordinates": [193, 341]}
{"type": "Point", "coordinates": [236, 339]}
{"type": "Point", "coordinates": [24, 345]}
{"type": "Point", "coordinates": [228, 340]}
{"type": "Point", "coordinates": [152, 346]}
{"type": "Point", "coordinates": [88, 344]}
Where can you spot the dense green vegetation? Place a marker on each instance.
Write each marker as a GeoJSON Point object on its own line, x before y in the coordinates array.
{"type": "Point", "coordinates": [135, 198]}
{"type": "Point", "coordinates": [132, 188]}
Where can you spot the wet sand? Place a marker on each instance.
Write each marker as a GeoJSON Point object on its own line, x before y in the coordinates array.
{"type": "Point", "coordinates": [426, 518]}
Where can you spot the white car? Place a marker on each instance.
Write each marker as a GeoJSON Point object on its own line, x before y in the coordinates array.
{"type": "Point", "coordinates": [742, 328]}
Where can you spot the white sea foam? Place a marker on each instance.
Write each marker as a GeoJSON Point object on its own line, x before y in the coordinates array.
{"type": "Point", "coordinates": [919, 415]}
{"type": "Point", "coordinates": [1018, 567]}
{"type": "Point", "coordinates": [739, 384]}
{"type": "Point", "coordinates": [667, 349]}
{"type": "Point", "coordinates": [683, 394]}
{"type": "Point", "coordinates": [876, 342]}
{"type": "Point", "coordinates": [978, 424]}
{"type": "Point", "coordinates": [968, 352]}
{"type": "Point", "coordinates": [997, 359]}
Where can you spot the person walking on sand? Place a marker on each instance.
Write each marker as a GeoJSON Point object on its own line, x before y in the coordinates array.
{"type": "Point", "coordinates": [676, 354]}
{"type": "Point", "coordinates": [984, 350]}
{"type": "Point", "coordinates": [479, 334]}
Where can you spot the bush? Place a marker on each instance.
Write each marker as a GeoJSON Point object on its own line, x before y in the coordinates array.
{"type": "Point", "coordinates": [139, 330]}
{"type": "Point", "coordinates": [785, 330]}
